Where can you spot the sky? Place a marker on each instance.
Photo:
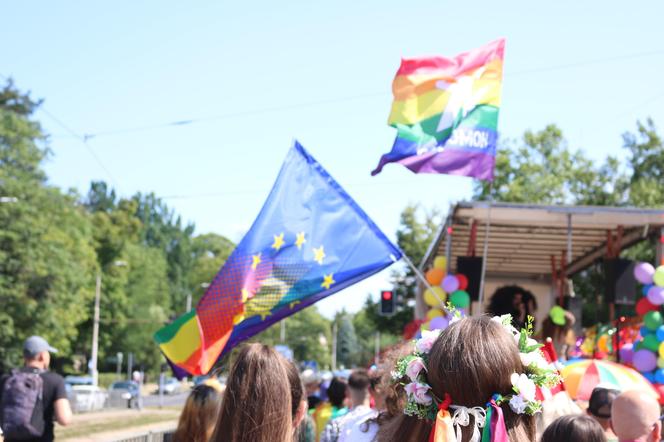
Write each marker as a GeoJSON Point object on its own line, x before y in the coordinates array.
{"type": "Point", "coordinates": [249, 77]}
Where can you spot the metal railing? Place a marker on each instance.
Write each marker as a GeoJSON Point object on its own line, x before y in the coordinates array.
{"type": "Point", "coordinates": [150, 436]}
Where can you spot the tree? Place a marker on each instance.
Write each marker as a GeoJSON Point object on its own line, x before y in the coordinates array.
{"type": "Point", "coordinates": [347, 345]}
{"type": "Point", "coordinates": [46, 261]}
{"type": "Point", "coordinates": [210, 252]}
{"type": "Point", "coordinates": [308, 334]}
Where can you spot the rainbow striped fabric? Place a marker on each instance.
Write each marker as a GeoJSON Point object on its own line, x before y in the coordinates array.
{"type": "Point", "coordinates": [445, 111]}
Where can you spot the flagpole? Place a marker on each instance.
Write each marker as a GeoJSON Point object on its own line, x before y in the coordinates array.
{"type": "Point", "coordinates": [422, 278]}
{"type": "Point", "coordinates": [485, 251]}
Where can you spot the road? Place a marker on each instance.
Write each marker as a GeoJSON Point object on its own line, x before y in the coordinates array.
{"type": "Point", "coordinates": [175, 400]}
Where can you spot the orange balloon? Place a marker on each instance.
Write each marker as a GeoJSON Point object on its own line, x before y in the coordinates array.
{"type": "Point", "coordinates": [435, 276]}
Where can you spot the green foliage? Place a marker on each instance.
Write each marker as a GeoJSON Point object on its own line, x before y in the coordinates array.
{"type": "Point", "coordinates": [347, 345]}
{"type": "Point", "coordinates": [308, 334]}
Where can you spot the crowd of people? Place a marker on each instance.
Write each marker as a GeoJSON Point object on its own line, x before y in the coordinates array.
{"type": "Point", "coordinates": [479, 379]}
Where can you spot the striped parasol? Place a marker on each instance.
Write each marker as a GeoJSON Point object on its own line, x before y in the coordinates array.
{"type": "Point", "coordinates": [583, 376]}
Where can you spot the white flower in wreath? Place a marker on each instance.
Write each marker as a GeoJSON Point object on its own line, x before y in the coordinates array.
{"type": "Point", "coordinates": [524, 386]}
{"type": "Point", "coordinates": [534, 357]}
{"type": "Point", "coordinates": [506, 321]}
{"type": "Point", "coordinates": [424, 344]}
{"type": "Point", "coordinates": [517, 404]}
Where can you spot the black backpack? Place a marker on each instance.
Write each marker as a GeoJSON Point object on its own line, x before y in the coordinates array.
{"type": "Point", "coordinates": [22, 406]}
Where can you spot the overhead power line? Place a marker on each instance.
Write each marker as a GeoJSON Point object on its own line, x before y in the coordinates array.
{"type": "Point", "coordinates": [252, 112]}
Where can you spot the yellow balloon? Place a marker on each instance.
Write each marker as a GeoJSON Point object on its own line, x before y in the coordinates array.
{"type": "Point", "coordinates": [434, 313]}
{"type": "Point", "coordinates": [660, 362]}
{"type": "Point", "coordinates": [602, 344]}
{"type": "Point", "coordinates": [440, 262]}
{"type": "Point", "coordinates": [430, 296]}
{"type": "Point", "coordinates": [661, 350]}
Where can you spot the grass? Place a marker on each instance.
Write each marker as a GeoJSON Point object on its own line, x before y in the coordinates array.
{"type": "Point", "coordinates": [119, 423]}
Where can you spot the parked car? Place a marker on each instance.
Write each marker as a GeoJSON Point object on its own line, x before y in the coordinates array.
{"type": "Point", "coordinates": [171, 386]}
{"type": "Point", "coordinates": [84, 398]}
{"type": "Point", "coordinates": [124, 392]}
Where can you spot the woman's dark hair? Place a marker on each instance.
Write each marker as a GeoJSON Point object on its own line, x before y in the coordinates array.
{"type": "Point", "coordinates": [336, 392]}
{"type": "Point", "coordinates": [257, 405]}
{"type": "Point", "coordinates": [574, 428]}
{"type": "Point", "coordinates": [471, 360]}
{"type": "Point", "coordinates": [502, 303]}
{"type": "Point", "coordinates": [199, 415]}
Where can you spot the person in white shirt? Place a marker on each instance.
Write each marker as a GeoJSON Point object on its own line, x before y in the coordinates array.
{"type": "Point", "coordinates": [338, 429]}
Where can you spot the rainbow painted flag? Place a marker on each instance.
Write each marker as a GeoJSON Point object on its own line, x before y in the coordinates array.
{"type": "Point", "coordinates": [309, 241]}
{"type": "Point", "coordinates": [445, 111]}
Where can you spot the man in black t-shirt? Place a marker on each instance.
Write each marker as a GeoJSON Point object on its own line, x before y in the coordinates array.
{"type": "Point", "coordinates": [54, 397]}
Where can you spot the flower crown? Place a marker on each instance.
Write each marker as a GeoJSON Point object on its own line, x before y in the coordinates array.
{"type": "Point", "coordinates": [425, 405]}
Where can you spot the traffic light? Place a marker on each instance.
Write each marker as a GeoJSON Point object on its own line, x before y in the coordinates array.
{"type": "Point", "coordinates": [387, 302]}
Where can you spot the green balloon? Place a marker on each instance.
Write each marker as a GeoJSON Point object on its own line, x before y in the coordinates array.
{"type": "Point", "coordinates": [460, 299]}
{"type": "Point", "coordinates": [652, 320]}
{"type": "Point", "coordinates": [651, 343]}
{"type": "Point", "coordinates": [638, 345]}
{"type": "Point", "coordinates": [658, 277]}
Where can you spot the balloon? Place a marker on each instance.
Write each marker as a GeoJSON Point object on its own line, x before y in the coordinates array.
{"type": "Point", "coordinates": [659, 376]}
{"type": "Point", "coordinates": [644, 361]}
{"type": "Point", "coordinates": [660, 362]}
{"type": "Point", "coordinates": [661, 352]}
{"type": "Point", "coordinates": [463, 281]}
{"type": "Point", "coordinates": [660, 333]}
{"type": "Point", "coordinates": [645, 288]}
{"type": "Point", "coordinates": [650, 376]}
{"type": "Point", "coordinates": [658, 278]}
{"type": "Point", "coordinates": [430, 296]}
{"type": "Point", "coordinates": [644, 272]}
{"type": "Point", "coordinates": [645, 331]}
{"type": "Point", "coordinates": [440, 262]}
{"type": "Point", "coordinates": [644, 306]}
{"type": "Point", "coordinates": [439, 323]}
{"type": "Point", "coordinates": [651, 343]}
{"type": "Point", "coordinates": [557, 315]}
{"type": "Point", "coordinates": [450, 284]}
{"type": "Point", "coordinates": [652, 320]}
{"type": "Point", "coordinates": [434, 313]}
{"type": "Point", "coordinates": [660, 390]}
{"type": "Point", "coordinates": [425, 326]}
{"type": "Point", "coordinates": [435, 276]}
{"type": "Point", "coordinates": [626, 354]}
{"type": "Point", "coordinates": [638, 344]}
{"type": "Point", "coordinates": [460, 299]}
{"type": "Point", "coordinates": [656, 295]}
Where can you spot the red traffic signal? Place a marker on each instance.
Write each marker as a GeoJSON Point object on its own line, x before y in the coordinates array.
{"type": "Point", "coordinates": [387, 306]}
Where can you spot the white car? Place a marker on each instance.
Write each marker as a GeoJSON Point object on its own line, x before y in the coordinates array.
{"type": "Point", "coordinates": [84, 398]}
{"type": "Point", "coordinates": [171, 386]}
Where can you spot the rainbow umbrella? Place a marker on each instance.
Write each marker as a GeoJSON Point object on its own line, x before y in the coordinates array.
{"type": "Point", "coordinates": [583, 376]}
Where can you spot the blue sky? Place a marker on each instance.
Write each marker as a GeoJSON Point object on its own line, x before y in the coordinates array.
{"type": "Point", "coordinates": [255, 75]}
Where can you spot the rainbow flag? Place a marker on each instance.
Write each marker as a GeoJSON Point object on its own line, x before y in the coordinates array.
{"type": "Point", "coordinates": [309, 241]}
{"type": "Point", "coordinates": [445, 111]}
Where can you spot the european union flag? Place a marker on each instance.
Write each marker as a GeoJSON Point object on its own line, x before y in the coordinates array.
{"type": "Point", "coordinates": [309, 241]}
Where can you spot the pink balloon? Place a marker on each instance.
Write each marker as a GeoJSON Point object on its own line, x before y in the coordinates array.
{"type": "Point", "coordinates": [450, 284]}
{"type": "Point", "coordinates": [643, 272]}
{"type": "Point", "coordinates": [656, 295]}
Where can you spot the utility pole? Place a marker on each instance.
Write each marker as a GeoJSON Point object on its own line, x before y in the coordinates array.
{"type": "Point", "coordinates": [95, 332]}
{"type": "Point", "coordinates": [188, 303]}
{"type": "Point", "coordinates": [377, 349]}
{"type": "Point", "coordinates": [282, 332]}
{"type": "Point", "coordinates": [334, 346]}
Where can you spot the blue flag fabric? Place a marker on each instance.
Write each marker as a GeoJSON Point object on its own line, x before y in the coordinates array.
{"type": "Point", "coordinates": [309, 241]}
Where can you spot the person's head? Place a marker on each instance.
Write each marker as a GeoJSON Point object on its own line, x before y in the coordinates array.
{"type": "Point", "coordinates": [199, 415]}
{"type": "Point", "coordinates": [574, 428]}
{"type": "Point", "coordinates": [358, 387]}
{"type": "Point", "coordinates": [599, 406]}
{"type": "Point", "coordinates": [635, 416]}
{"type": "Point", "coordinates": [37, 352]}
{"type": "Point", "coordinates": [512, 299]}
{"type": "Point", "coordinates": [310, 381]}
{"type": "Point", "coordinates": [376, 388]}
{"type": "Point", "coordinates": [298, 399]}
{"type": "Point", "coordinates": [336, 392]}
{"type": "Point", "coordinates": [257, 404]}
{"type": "Point", "coordinates": [471, 360]}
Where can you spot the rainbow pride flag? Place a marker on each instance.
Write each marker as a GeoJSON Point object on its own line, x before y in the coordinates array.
{"type": "Point", "coordinates": [309, 241]}
{"type": "Point", "coordinates": [445, 111]}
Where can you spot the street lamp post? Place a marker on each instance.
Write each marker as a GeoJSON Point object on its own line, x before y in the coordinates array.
{"type": "Point", "coordinates": [95, 326]}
